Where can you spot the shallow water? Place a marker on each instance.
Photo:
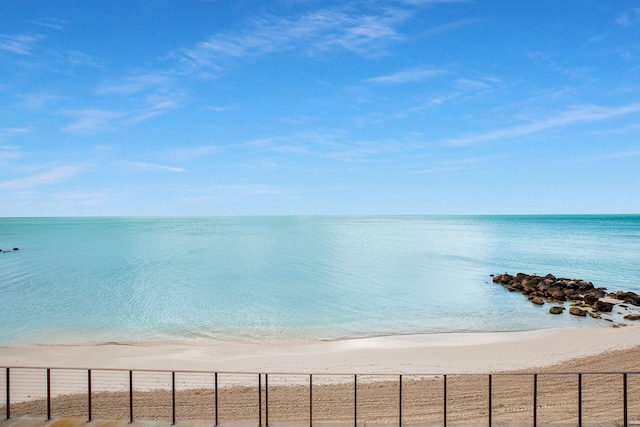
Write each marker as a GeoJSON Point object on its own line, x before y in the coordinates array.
{"type": "Point", "coordinates": [138, 279]}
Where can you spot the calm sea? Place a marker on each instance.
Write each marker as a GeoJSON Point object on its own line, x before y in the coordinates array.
{"type": "Point", "coordinates": [140, 279]}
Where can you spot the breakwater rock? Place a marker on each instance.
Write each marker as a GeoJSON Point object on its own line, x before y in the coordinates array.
{"type": "Point", "coordinates": [585, 298]}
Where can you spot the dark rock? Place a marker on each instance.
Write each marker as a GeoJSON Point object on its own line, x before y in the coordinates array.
{"type": "Point", "coordinates": [558, 309]}
{"type": "Point", "coordinates": [629, 297]}
{"type": "Point", "coordinates": [537, 300]}
{"type": "Point", "coordinates": [16, 249]}
{"type": "Point", "coordinates": [584, 286]}
{"type": "Point", "coordinates": [548, 288]}
{"type": "Point", "coordinates": [530, 283]}
{"type": "Point", "coordinates": [632, 317]}
{"type": "Point", "coordinates": [577, 311]}
{"type": "Point", "coordinates": [557, 293]}
{"type": "Point", "coordinates": [542, 287]}
{"type": "Point", "coordinates": [603, 306]}
{"type": "Point", "coordinates": [503, 279]}
{"type": "Point", "coordinates": [590, 299]}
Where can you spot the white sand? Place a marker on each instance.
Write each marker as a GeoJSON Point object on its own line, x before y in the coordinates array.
{"type": "Point", "coordinates": [432, 354]}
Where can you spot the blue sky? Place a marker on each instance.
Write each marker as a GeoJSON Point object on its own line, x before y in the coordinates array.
{"type": "Point", "coordinates": [152, 107]}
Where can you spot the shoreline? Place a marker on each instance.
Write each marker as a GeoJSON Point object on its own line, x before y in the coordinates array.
{"type": "Point", "coordinates": [483, 352]}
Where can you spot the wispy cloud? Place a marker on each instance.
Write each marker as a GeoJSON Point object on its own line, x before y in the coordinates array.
{"type": "Point", "coordinates": [58, 173]}
{"type": "Point", "coordinates": [407, 76]}
{"type": "Point", "coordinates": [19, 44]}
{"type": "Point", "coordinates": [146, 167]}
{"type": "Point", "coordinates": [82, 198]}
{"type": "Point", "coordinates": [233, 192]}
{"type": "Point", "coordinates": [9, 153]}
{"type": "Point", "coordinates": [457, 165]}
{"type": "Point", "coordinates": [92, 120]}
{"type": "Point", "coordinates": [578, 114]}
{"type": "Point", "coordinates": [134, 84]}
{"type": "Point", "coordinates": [76, 59]}
{"type": "Point", "coordinates": [222, 108]}
{"type": "Point", "coordinates": [37, 101]}
{"type": "Point", "coordinates": [429, 2]}
{"type": "Point", "coordinates": [364, 34]}
{"type": "Point", "coordinates": [324, 144]}
{"type": "Point", "coordinates": [52, 23]}
{"type": "Point", "coordinates": [630, 18]}
{"type": "Point", "coordinates": [467, 85]}
{"type": "Point", "coordinates": [187, 154]}
{"type": "Point", "coordinates": [7, 133]}
{"type": "Point", "coordinates": [461, 88]}
{"type": "Point", "coordinates": [153, 105]}
{"type": "Point", "coordinates": [451, 26]}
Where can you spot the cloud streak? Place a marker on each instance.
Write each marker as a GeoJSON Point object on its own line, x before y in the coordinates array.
{"type": "Point", "coordinates": [319, 31]}
{"type": "Point", "coordinates": [18, 44]}
{"type": "Point", "coordinates": [629, 19]}
{"type": "Point", "coordinates": [578, 114]}
{"type": "Point", "coordinates": [92, 120]}
{"type": "Point", "coordinates": [59, 173]}
{"type": "Point", "coordinates": [187, 154]}
{"type": "Point", "coordinates": [146, 167]}
{"type": "Point", "coordinates": [407, 76]}
{"type": "Point", "coordinates": [8, 133]}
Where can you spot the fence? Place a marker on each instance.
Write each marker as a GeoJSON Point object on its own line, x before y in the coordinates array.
{"type": "Point", "coordinates": [312, 399]}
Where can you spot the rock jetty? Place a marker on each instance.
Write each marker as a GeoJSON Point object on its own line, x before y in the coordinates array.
{"type": "Point", "coordinates": [585, 298]}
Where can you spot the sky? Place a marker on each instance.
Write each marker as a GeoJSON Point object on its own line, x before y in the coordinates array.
{"type": "Point", "coordinates": [305, 107]}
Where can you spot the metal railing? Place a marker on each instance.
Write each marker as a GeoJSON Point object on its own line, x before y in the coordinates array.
{"type": "Point", "coordinates": [32, 379]}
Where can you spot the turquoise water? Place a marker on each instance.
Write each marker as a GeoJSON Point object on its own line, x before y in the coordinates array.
{"type": "Point", "coordinates": [139, 279]}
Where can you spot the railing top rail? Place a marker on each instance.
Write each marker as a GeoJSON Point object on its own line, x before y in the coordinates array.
{"type": "Point", "coordinates": [326, 374]}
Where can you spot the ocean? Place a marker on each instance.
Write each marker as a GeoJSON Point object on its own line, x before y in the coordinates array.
{"type": "Point", "coordinates": [296, 278]}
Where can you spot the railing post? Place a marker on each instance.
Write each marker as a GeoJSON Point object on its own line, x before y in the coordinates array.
{"type": "Point", "coordinates": [130, 397]}
{"type": "Point", "coordinates": [215, 390]}
{"type": "Point", "coordinates": [355, 400]}
{"type": "Point", "coordinates": [173, 398]}
{"type": "Point", "coordinates": [266, 400]}
{"type": "Point", "coordinates": [444, 403]}
{"type": "Point", "coordinates": [89, 395]}
{"type": "Point", "coordinates": [535, 400]}
{"type": "Point", "coordinates": [260, 400]}
{"type": "Point", "coordinates": [8, 394]}
{"type": "Point", "coordinates": [624, 397]}
{"type": "Point", "coordinates": [48, 394]}
{"type": "Point", "coordinates": [400, 402]}
{"type": "Point", "coordinates": [310, 400]}
{"type": "Point", "coordinates": [490, 406]}
{"type": "Point", "coordinates": [579, 400]}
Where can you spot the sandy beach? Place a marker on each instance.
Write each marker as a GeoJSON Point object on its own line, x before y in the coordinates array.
{"type": "Point", "coordinates": [421, 359]}
{"type": "Point", "coordinates": [417, 354]}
